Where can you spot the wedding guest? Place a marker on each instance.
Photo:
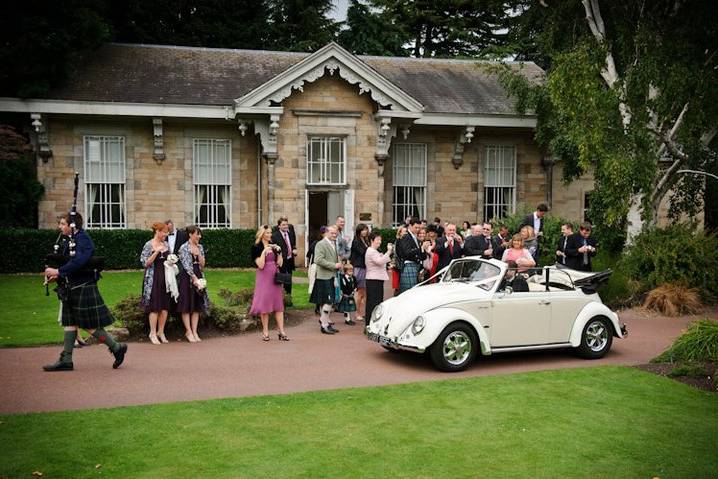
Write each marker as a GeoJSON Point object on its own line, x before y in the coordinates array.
{"type": "Point", "coordinates": [155, 297]}
{"type": "Point", "coordinates": [342, 245]}
{"type": "Point", "coordinates": [268, 296]}
{"type": "Point", "coordinates": [581, 248]}
{"type": "Point", "coordinates": [501, 241]}
{"type": "Point", "coordinates": [431, 252]}
{"type": "Point", "coordinates": [535, 220]}
{"type": "Point", "coordinates": [530, 241]}
{"type": "Point", "coordinates": [450, 247]}
{"type": "Point", "coordinates": [439, 227]}
{"type": "Point", "coordinates": [356, 258]}
{"type": "Point", "coordinates": [348, 286]}
{"type": "Point", "coordinates": [193, 298]}
{"type": "Point", "coordinates": [566, 231]}
{"type": "Point", "coordinates": [376, 274]}
{"type": "Point", "coordinates": [395, 264]}
{"type": "Point", "coordinates": [286, 238]}
{"type": "Point", "coordinates": [311, 267]}
{"type": "Point", "coordinates": [479, 243]}
{"type": "Point", "coordinates": [327, 261]}
{"type": "Point", "coordinates": [175, 238]}
{"type": "Point", "coordinates": [410, 257]}
{"type": "Point", "coordinates": [466, 229]}
{"type": "Point", "coordinates": [518, 254]}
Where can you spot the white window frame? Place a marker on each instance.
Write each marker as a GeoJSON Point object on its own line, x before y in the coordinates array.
{"type": "Point", "coordinates": [212, 186]}
{"type": "Point", "coordinates": [324, 162]}
{"type": "Point", "coordinates": [493, 154]}
{"type": "Point", "coordinates": [105, 184]}
{"type": "Point", "coordinates": [395, 164]}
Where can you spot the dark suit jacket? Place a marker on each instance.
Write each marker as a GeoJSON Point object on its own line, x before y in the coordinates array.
{"type": "Point", "coordinates": [476, 245]}
{"type": "Point", "coordinates": [575, 260]}
{"type": "Point", "coordinates": [529, 221]}
{"type": "Point", "coordinates": [180, 239]}
{"type": "Point", "coordinates": [562, 242]}
{"type": "Point", "coordinates": [445, 256]}
{"type": "Point", "coordinates": [288, 264]}
{"type": "Point", "coordinates": [407, 250]}
{"type": "Point", "coordinates": [498, 249]}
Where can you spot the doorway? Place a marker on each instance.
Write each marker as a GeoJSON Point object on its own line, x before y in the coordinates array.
{"type": "Point", "coordinates": [322, 209]}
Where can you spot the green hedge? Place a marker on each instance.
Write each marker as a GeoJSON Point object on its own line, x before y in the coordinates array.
{"type": "Point", "coordinates": [121, 249]}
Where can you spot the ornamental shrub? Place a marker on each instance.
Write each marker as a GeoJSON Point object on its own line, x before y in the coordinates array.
{"type": "Point", "coordinates": [677, 255]}
{"type": "Point", "coordinates": [698, 343]}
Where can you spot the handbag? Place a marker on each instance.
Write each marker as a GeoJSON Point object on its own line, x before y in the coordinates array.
{"type": "Point", "coordinates": [282, 278]}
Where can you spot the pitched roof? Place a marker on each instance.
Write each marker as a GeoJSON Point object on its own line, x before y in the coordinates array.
{"type": "Point", "coordinates": [211, 76]}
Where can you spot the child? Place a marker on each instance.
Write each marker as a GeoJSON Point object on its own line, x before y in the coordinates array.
{"type": "Point", "coordinates": [348, 285]}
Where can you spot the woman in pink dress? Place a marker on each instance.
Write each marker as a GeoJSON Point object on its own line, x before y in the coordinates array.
{"type": "Point", "coordinates": [518, 254]}
{"type": "Point", "coordinates": [268, 296]}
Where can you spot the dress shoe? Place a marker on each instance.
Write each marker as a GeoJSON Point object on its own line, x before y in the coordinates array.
{"type": "Point", "coordinates": [119, 355]}
{"type": "Point", "coordinates": [60, 365]}
{"type": "Point", "coordinates": [332, 329]}
{"type": "Point", "coordinates": [350, 322]}
{"type": "Point", "coordinates": [328, 330]}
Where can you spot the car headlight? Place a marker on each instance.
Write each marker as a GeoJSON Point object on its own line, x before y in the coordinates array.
{"type": "Point", "coordinates": [418, 325]}
{"type": "Point", "coordinates": [378, 311]}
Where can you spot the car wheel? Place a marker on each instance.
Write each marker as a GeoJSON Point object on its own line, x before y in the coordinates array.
{"type": "Point", "coordinates": [596, 338]}
{"type": "Point", "coordinates": [455, 348]}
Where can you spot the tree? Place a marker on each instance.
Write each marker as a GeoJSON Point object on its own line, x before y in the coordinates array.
{"type": "Point", "coordinates": [446, 28]}
{"type": "Point", "coordinates": [301, 25]}
{"type": "Point", "coordinates": [19, 187]}
{"type": "Point", "coordinates": [42, 39]}
{"type": "Point", "coordinates": [631, 93]}
{"type": "Point", "coordinates": [370, 33]}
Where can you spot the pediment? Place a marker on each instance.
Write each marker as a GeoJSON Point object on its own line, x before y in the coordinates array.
{"type": "Point", "coordinates": [332, 59]}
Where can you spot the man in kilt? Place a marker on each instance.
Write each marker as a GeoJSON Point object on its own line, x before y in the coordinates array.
{"type": "Point", "coordinates": [410, 255]}
{"type": "Point", "coordinates": [323, 293]}
{"type": "Point", "coordinates": [81, 304]}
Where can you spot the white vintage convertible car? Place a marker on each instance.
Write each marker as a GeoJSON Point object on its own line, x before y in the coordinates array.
{"type": "Point", "coordinates": [482, 306]}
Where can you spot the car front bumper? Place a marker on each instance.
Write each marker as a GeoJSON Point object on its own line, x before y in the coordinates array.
{"type": "Point", "coordinates": [391, 344]}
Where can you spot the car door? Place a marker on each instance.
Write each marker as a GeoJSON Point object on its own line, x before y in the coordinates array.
{"type": "Point", "coordinates": [519, 319]}
{"type": "Point", "coordinates": [565, 306]}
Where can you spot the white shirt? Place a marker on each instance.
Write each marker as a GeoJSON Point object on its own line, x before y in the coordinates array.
{"type": "Point", "coordinates": [537, 223]}
{"type": "Point", "coordinates": [171, 239]}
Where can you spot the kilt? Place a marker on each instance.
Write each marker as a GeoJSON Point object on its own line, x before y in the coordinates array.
{"type": "Point", "coordinates": [409, 276]}
{"type": "Point", "coordinates": [323, 292]}
{"type": "Point", "coordinates": [85, 308]}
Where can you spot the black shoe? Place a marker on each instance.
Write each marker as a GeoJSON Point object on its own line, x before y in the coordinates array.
{"type": "Point", "coordinates": [60, 365]}
{"type": "Point", "coordinates": [327, 330]}
{"type": "Point", "coordinates": [350, 322]}
{"type": "Point", "coordinates": [119, 355]}
{"type": "Point", "coordinates": [332, 329]}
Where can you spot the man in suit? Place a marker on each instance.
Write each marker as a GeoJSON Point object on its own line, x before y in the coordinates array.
{"type": "Point", "coordinates": [410, 254]}
{"type": "Point", "coordinates": [535, 220]}
{"type": "Point", "coordinates": [567, 231]}
{"type": "Point", "coordinates": [175, 237]}
{"type": "Point", "coordinates": [580, 248]}
{"type": "Point", "coordinates": [285, 237]}
{"type": "Point", "coordinates": [343, 246]}
{"type": "Point", "coordinates": [480, 243]}
{"type": "Point", "coordinates": [439, 229]}
{"type": "Point", "coordinates": [501, 241]}
{"type": "Point", "coordinates": [449, 247]}
{"type": "Point", "coordinates": [328, 263]}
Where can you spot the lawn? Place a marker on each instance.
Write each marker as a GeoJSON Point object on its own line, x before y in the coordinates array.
{"type": "Point", "coordinates": [594, 423]}
{"type": "Point", "coordinates": [29, 318]}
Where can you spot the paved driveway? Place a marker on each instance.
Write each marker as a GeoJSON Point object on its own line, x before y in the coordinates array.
{"type": "Point", "coordinates": [245, 366]}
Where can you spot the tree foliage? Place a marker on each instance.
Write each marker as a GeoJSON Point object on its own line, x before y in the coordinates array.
{"type": "Point", "coordinates": [630, 94]}
{"type": "Point", "coordinates": [368, 32]}
{"type": "Point", "coordinates": [301, 25]}
{"type": "Point", "coordinates": [19, 187]}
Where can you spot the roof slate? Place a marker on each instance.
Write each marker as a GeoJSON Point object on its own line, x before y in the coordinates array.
{"type": "Point", "coordinates": [208, 76]}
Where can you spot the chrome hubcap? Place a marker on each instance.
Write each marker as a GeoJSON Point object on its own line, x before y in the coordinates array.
{"type": "Point", "coordinates": [596, 336]}
{"type": "Point", "coordinates": [457, 347]}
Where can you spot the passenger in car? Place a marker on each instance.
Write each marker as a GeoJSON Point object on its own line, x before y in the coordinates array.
{"type": "Point", "coordinates": [519, 254]}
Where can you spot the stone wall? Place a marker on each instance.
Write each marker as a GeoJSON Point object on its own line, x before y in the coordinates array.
{"type": "Point", "coordinates": [153, 191]}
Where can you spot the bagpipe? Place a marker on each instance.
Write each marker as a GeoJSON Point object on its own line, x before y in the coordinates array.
{"type": "Point", "coordinates": [59, 258]}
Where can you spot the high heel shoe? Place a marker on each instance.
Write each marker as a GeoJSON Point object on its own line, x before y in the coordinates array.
{"type": "Point", "coordinates": [197, 338]}
{"type": "Point", "coordinates": [162, 338]}
{"type": "Point", "coordinates": [190, 337]}
{"type": "Point", "coordinates": [154, 340]}
{"type": "Point", "coordinates": [283, 337]}
{"type": "Point", "coordinates": [265, 337]}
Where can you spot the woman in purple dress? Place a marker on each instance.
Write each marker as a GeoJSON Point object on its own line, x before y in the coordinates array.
{"type": "Point", "coordinates": [155, 298]}
{"type": "Point", "coordinates": [193, 298]}
{"type": "Point", "coordinates": [268, 296]}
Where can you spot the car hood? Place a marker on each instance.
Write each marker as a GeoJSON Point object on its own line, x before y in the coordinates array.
{"type": "Point", "coordinates": [401, 310]}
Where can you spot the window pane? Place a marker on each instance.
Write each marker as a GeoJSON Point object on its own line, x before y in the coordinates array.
{"type": "Point", "coordinates": [212, 176]}
{"type": "Point", "coordinates": [325, 160]}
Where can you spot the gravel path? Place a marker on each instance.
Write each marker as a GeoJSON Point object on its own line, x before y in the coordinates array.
{"type": "Point", "coordinates": [245, 366]}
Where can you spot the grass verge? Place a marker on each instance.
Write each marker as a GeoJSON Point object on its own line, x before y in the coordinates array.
{"type": "Point", "coordinates": [594, 422]}
{"type": "Point", "coordinates": [29, 318]}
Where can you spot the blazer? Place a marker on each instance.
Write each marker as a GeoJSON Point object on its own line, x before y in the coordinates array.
{"type": "Point", "coordinates": [407, 250]}
{"type": "Point", "coordinates": [498, 248]}
{"type": "Point", "coordinates": [358, 252]}
{"type": "Point", "coordinates": [343, 249]}
{"type": "Point", "coordinates": [180, 239]}
{"type": "Point", "coordinates": [576, 260]}
{"type": "Point", "coordinates": [529, 221]}
{"type": "Point", "coordinates": [445, 256]}
{"type": "Point", "coordinates": [325, 257]}
{"type": "Point", "coordinates": [288, 264]}
{"type": "Point", "coordinates": [476, 245]}
{"type": "Point", "coordinates": [561, 246]}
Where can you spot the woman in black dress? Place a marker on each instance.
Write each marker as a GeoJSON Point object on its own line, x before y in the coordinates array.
{"type": "Point", "coordinates": [356, 258]}
{"type": "Point", "coordinates": [193, 298]}
{"type": "Point", "coordinates": [155, 298]}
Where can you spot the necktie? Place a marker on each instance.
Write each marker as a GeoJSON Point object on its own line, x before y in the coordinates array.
{"type": "Point", "coordinates": [565, 241]}
{"type": "Point", "coordinates": [289, 245]}
{"type": "Point", "coordinates": [451, 248]}
{"type": "Point", "coordinates": [585, 253]}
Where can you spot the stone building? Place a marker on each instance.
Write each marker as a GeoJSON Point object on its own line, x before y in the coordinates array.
{"type": "Point", "coordinates": [236, 138]}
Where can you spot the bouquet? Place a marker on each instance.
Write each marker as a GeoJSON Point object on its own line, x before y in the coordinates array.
{"type": "Point", "coordinates": [201, 284]}
{"type": "Point", "coordinates": [171, 270]}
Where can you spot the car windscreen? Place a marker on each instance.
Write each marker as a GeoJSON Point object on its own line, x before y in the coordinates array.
{"type": "Point", "coordinates": [483, 274]}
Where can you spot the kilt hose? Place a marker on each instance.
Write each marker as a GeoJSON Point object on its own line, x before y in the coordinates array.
{"type": "Point", "coordinates": [409, 276]}
{"type": "Point", "coordinates": [85, 308]}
